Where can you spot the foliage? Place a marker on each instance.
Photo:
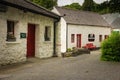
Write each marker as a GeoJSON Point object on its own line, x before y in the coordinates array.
{"type": "Point", "coordinates": [114, 6]}
{"type": "Point", "coordinates": [49, 4]}
{"type": "Point", "coordinates": [111, 48]}
{"type": "Point", "coordinates": [109, 6]}
{"type": "Point", "coordinates": [103, 7]}
{"type": "Point", "coordinates": [69, 50]}
{"type": "Point", "coordinates": [75, 6]}
{"type": "Point", "coordinates": [88, 5]}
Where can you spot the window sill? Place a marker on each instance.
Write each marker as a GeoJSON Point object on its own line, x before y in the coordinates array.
{"type": "Point", "coordinates": [46, 42]}
{"type": "Point", "coordinates": [15, 42]}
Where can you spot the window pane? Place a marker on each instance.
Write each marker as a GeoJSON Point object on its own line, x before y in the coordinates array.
{"type": "Point", "coordinates": [72, 38]}
{"type": "Point", "coordinates": [106, 36]}
{"type": "Point", "coordinates": [100, 38]}
{"type": "Point", "coordinates": [91, 37]}
{"type": "Point", "coordinates": [10, 31]}
{"type": "Point", "coordinates": [47, 34]}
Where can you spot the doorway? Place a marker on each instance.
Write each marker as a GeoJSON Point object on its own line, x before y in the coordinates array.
{"type": "Point", "coordinates": [78, 40]}
{"type": "Point", "coordinates": [31, 40]}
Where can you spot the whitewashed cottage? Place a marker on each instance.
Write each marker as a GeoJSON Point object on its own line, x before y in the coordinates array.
{"type": "Point", "coordinates": [26, 30]}
{"type": "Point", "coordinates": [81, 27]}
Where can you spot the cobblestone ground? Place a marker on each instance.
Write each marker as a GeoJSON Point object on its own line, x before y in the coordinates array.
{"type": "Point", "coordinates": [83, 67]}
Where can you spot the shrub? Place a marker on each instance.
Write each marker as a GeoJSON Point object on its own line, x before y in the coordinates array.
{"type": "Point", "coordinates": [111, 48]}
{"type": "Point", "coordinates": [69, 50]}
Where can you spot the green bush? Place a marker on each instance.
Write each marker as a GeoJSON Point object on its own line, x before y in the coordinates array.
{"type": "Point", "coordinates": [69, 50]}
{"type": "Point", "coordinates": [111, 48]}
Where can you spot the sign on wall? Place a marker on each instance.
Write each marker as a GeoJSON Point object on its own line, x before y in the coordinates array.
{"type": "Point", "coordinates": [22, 35]}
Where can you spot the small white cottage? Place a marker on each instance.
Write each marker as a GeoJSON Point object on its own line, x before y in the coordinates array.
{"type": "Point", "coordinates": [81, 27]}
{"type": "Point", "coordinates": [26, 30]}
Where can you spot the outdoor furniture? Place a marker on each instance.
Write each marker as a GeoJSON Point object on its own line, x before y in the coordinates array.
{"type": "Point", "coordinates": [89, 46]}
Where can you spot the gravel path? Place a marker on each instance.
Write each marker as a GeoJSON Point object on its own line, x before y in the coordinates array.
{"type": "Point", "coordinates": [83, 67]}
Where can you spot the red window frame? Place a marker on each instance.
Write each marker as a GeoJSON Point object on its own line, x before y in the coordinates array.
{"type": "Point", "coordinates": [106, 36]}
{"type": "Point", "coordinates": [100, 38]}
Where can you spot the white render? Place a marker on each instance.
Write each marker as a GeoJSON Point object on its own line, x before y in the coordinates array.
{"type": "Point", "coordinates": [84, 31]}
{"type": "Point", "coordinates": [13, 52]}
{"type": "Point", "coordinates": [68, 29]}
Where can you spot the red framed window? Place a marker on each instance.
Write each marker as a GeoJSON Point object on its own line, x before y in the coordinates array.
{"type": "Point", "coordinates": [72, 38]}
{"type": "Point", "coordinates": [106, 36]}
{"type": "Point", "coordinates": [100, 38]}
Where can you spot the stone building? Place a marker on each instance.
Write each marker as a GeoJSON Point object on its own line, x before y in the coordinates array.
{"type": "Point", "coordinates": [81, 27]}
{"type": "Point", "coordinates": [26, 30]}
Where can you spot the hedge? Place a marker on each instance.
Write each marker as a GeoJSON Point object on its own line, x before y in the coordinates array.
{"type": "Point", "coordinates": [111, 48]}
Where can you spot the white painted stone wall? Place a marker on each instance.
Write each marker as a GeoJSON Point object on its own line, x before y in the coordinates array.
{"type": "Point", "coordinates": [84, 31]}
{"type": "Point", "coordinates": [13, 52]}
{"type": "Point", "coordinates": [62, 30]}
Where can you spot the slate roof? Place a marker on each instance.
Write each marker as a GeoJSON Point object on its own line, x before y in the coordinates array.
{"type": "Point", "coordinates": [82, 17]}
{"type": "Point", "coordinates": [113, 19]}
{"type": "Point", "coordinates": [116, 23]}
{"type": "Point", "coordinates": [110, 17]}
{"type": "Point", "coordinates": [29, 6]}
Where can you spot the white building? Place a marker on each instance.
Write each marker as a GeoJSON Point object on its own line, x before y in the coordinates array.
{"type": "Point", "coordinates": [81, 27]}
{"type": "Point", "coordinates": [26, 30]}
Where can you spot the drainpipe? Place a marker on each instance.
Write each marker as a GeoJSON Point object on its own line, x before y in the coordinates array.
{"type": "Point", "coordinates": [66, 36]}
{"type": "Point", "coordinates": [54, 38]}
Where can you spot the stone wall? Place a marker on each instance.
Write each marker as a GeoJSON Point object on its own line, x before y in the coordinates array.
{"type": "Point", "coordinates": [13, 52]}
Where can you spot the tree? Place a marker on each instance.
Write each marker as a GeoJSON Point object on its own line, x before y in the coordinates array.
{"type": "Point", "coordinates": [75, 6]}
{"type": "Point", "coordinates": [88, 5]}
{"type": "Point", "coordinates": [114, 6]}
{"type": "Point", "coordinates": [49, 4]}
{"type": "Point", "coordinates": [103, 7]}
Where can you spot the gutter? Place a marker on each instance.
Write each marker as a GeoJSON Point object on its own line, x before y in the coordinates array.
{"type": "Point", "coordinates": [66, 36]}
{"type": "Point", "coordinates": [54, 37]}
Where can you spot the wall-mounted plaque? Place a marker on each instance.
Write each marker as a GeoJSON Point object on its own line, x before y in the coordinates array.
{"type": "Point", "coordinates": [22, 35]}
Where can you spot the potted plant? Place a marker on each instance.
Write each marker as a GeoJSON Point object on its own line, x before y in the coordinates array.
{"type": "Point", "coordinates": [11, 37]}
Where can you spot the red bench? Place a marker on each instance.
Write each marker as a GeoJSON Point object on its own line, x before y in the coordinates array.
{"type": "Point", "coordinates": [89, 46]}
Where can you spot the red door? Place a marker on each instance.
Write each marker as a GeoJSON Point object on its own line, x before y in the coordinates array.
{"type": "Point", "coordinates": [78, 40]}
{"type": "Point", "coordinates": [31, 40]}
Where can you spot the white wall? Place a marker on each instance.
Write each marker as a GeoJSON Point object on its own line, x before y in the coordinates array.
{"type": "Point", "coordinates": [63, 35]}
{"type": "Point", "coordinates": [84, 31]}
{"type": "Point", "coordinates": [62, 29]}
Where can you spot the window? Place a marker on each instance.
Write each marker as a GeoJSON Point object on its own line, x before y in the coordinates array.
{"type": "Point", "coordinates": [106, 36]}
{"type": "Point", "coordinates": [47, 35]}
{"type": "Point", "coordinates": [91, 37]}
{"type": "Point", "coordinates": [72, 38]}
{"type": "Point", "coordinates": [100, 38]}
{"type": "Point", "coordinates": [10, 31]}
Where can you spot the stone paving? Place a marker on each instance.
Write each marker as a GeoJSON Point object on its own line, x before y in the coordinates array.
{"type": "Point", "coordinates": [83, 67]}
